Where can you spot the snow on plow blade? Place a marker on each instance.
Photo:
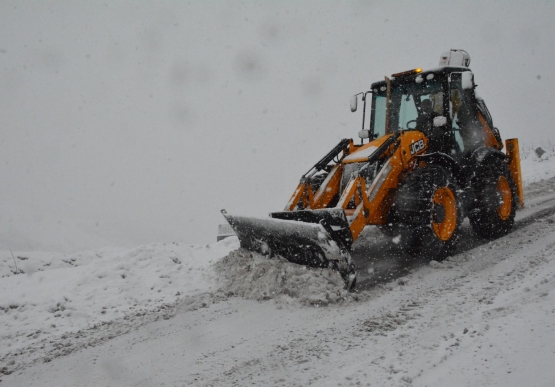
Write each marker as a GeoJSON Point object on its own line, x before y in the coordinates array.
{"type": "Point", "coordinates": [300, 238]}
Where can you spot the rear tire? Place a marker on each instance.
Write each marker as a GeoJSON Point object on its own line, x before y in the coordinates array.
{"type": "Point", "coordinates": [429, 213]}
{"type": "Point", "coordinates": [495, 191]}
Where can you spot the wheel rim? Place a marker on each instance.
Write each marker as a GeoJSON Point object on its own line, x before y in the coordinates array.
{"type": "Point", "coordinates": [444, 219]}
{"type": "Point", "coordinates": [506, 206]}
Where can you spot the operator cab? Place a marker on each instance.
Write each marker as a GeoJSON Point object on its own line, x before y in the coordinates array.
{"type": "Point", "coordinates": [440, 103]}
{"type": "Point", "coordinates": [417, 102]}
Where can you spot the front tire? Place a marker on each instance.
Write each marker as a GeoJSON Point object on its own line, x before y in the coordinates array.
{"type": "Point", "coordinates": [428, 210]}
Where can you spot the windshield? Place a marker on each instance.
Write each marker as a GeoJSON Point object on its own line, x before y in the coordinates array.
{"type": "Point", "coordinates": [408, 109]}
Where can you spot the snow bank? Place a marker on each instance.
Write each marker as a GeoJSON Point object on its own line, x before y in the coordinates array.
{"type": "Point", "coordinates": [52, 294]}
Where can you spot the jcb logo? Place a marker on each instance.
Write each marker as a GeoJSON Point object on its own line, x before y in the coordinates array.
{"type": "Point", "coordinates": [417, 147]}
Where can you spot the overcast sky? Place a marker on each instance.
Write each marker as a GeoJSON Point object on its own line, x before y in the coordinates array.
{"type": "Point", "coordinates": [123, 123]}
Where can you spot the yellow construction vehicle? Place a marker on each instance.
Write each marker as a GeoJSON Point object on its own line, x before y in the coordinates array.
{"type": "Point", "coordinates": [431, 158]}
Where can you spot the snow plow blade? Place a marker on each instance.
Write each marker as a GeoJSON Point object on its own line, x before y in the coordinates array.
{"type": "Point", "coordinates": [313, 238]}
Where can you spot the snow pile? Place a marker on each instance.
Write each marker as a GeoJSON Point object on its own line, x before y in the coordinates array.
{"type": "Point", "coordinates": [53, 294]}
{"type": "Point", "coordinates": [250, 275]}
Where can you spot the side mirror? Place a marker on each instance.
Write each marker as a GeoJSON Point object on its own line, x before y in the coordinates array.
{"type": "Point", "coordinates": [365, 133]}
{"type": "Point", "coordinates": [440, 121]}
{"type": "Point", "coordinates": [354, 101]}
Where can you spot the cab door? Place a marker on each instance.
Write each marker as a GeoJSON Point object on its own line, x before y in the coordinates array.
{"type": "Point", "coordinates": [464, 116]}
{"type": "Point", "coordinates": [470, 126]}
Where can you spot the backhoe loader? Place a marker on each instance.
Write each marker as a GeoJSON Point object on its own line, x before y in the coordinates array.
{"type": "Point", "coordinates": [429, 156]}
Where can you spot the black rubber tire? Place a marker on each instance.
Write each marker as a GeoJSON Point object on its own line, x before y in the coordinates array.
{"type": "Point", "coordinates": [486, 218]}
{"type": "Point", "coordinates": [417, 214]}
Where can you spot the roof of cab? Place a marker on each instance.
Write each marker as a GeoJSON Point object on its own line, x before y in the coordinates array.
{"type": "Point", "coordinates": [411, 77]}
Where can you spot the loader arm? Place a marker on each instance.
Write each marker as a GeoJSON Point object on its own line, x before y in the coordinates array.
{"type": "Point", "coordinates": [374, 198]}
{"type": "Point", "coordinates": [321, 198]}
{"type": "Point", "coordinates": [366, 198]}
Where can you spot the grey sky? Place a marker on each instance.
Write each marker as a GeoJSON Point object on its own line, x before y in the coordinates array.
{"type": "Point", "coordinates": [131, 122]}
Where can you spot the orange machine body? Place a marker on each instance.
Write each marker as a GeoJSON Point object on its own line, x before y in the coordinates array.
{"type": "Point", "coordinates": [365, 201]}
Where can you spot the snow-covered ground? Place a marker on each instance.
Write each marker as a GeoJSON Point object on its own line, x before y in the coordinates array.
{"type": "Point", "coordinates": [170, 314]}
